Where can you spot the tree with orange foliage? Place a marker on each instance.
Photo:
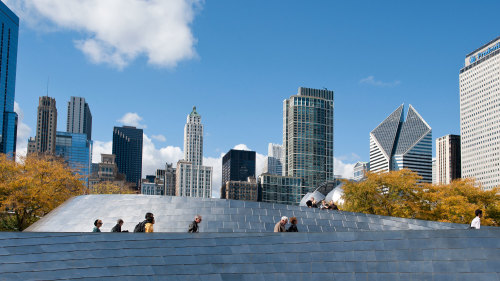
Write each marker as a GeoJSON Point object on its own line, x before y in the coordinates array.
{"type": "Point", "coordinates": [31, 188]}
{"type": "Point", "coordinates": [400, 194]}
{"type": "Point", "coordinates": [108, 187]}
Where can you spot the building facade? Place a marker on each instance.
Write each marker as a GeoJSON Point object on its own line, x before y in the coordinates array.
{"type": "Point", "coordinates": [274, 161]}
{"type": "Point", "coordinates": [8, 64]}
{"type": "Point", "coordinates": [448, 166]}
{"type": "Point", "coordinates": [127, 146]}
{"type": "Point", "coordinates": [79, 117]}
{"type": "Point", "coordinates": [280, 189]}
{"type": "Point", "coordinates": [169, 179]}
{"type": "Point", "coordinates": [479, 118]}
{"type": "Point", "coordinates": [397, 144]}
{"type": "Point", "coordinates": [192, 179]}
{"type": "Point", "coordinates": [240, 190]}
{"type": "Point", "coordinates": [308, 137]}
{"type": "Point", "coordinates": [107, 171]}
{"type": "Point", "coordinates": [434, 171]}
{"type": "Point", "coordinates": [360, 169]}
{"type": "Point", "coordinates": [46, 125]}
{"type": "Point", "coordinates": [238, 165]}
{"type": "Point", "coordinates": [76, 150]}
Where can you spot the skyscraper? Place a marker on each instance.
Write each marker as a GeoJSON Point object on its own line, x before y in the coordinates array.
{"type": "Point", "coordinates": [46, 125]}
{"type": "Point", "coordinates": [479, 118]}
{"type": "Point", "coordinates": [127, 146]}
{"type": "Point", "coordinates": [238, 165]}
{"type": "Point", "coordinates": [274, 163]}
{"type": "Point", "coordinates": [308, 136]}
{"type": "Point", "coordinates": [396, 144]}
{"type": "Point", "coordinates": [360, 169]}
{"type": "Point", "coordinates": [79, 117]}
{"type": "Point", "coordinates": [193, 138]}
{"type": "Point", "coordinates": [76, 150]}
{"type": "Point", "coordinates": [191, 178]}
{"type": "Point", "coordinates": [448, 165]}
{"type": "Point", "coordinates": [8, 65]}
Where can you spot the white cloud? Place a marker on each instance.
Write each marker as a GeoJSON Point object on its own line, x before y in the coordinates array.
{"type": "Point", "coordinates": [99, 147]}
{"type": "Point", "coordinates": [132, 119]}
{"type": "Point", "coordinates": [155, 158]}
{"type": "Point", "coordinates": [161, 138]}
{"type": "Point", "coordinates": [116, 32]}
{"type": "Point", "coordinates": [345, 170]}
{"type": "Point", "coordinates": [370, 80]}
{"type": "Point", "coordinates": [23, 132]}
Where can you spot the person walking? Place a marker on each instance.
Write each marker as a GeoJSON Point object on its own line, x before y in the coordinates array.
{"type": "Point", "coordinates": [141, 227]}
{"type": "Point", "coordinates": [118, 226]}
{"type": "Point", "coordinates": [476, 222]}
{"type": "Point", "coordinates": [293, 227]}
{"type": "Point", "coordinates": [97, 225]}
{"type": "Point", "coordinates": [280, 226]}
{"type": "Point", "coordinates": [193, 227]}
{"type": "Point", "coordinates": [149, 224]}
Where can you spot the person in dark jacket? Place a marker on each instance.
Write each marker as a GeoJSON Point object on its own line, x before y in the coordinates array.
{"type": "Point", "coordinates": [118, 226]}
{"type": "Point", "coordinates": [97, 225]}
{"type": "Point", "coordinates": [193, 227]}
{"type": "Point", "coordinates": [293, 227]}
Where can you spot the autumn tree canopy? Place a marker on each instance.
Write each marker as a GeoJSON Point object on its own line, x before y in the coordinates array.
{"type": "Point", "coordinates": [399, 193]}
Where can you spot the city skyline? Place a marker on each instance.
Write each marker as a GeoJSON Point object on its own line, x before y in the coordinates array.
{"type": "Point", "coordinates": [356, 60]}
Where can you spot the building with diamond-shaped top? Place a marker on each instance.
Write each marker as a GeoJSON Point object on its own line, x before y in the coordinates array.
{"type": "Point", "coordinates": [398, 144]}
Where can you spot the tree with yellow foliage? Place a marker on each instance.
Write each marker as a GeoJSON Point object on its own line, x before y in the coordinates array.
{"type": "Point", "coordinates": [31, 188]}
{"type": "Point", "coordinates": [399, 193]}
{"type": "Point", "coordinates": [108, 187]}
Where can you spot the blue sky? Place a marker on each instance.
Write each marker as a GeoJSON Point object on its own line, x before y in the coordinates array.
{"type": "Point", "coordinates": [238, 60]}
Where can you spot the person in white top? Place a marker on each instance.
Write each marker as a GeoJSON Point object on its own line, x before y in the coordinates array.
{"type": "Point", "coordinates": [476, 222]}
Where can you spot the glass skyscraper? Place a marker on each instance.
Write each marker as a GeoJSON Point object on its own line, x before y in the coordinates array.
{"type": "Point", "coordinates": [238, 165]}
{"type": "Point", "coordinates": [396, 144]}
{"type": "Point", "coordinates": [76, 150]}
{"type": "Point", "coordinates": [308, 137]}
{"type": "Point", "coordinates": [8, 63]}
{"type": "Point", "coordinates": [127, 146]}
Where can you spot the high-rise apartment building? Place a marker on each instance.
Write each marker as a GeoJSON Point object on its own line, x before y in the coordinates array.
{"type": "Point", "coordinates": [127, 146]}
{"type": "Point", "coordinates": [79, 117]}
{"type": "Point", "coordinates": [274, 163]}
{"type": "Point", "coordinates": [448, 166]}
{"type": "Point", "coordinates": [191, 178]}
{"type": "Point", "coordinates": [308, 137]}
{"type": "Point", "coordinates": [76, 150]}
{"type": "Point", "coordinates": [8, 65]}
{"type": "Point", "coordinates": [238, 165]}
{"type": "Point", "coordinates": [46, 125]}
{"type": "Point", "coordinates": [479, 115]}
{"type": "Point", "coordinates": [397, 144]}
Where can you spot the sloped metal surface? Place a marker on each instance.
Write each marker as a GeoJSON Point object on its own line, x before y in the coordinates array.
{"type": "Point", "coordinates": [412, 130]}
{"type": "Point", "coordinates": [376, 255]}
{"type": "Point", "coordinates": [385, 133]}
{"type": "Point", "coordinates": [174, 214]}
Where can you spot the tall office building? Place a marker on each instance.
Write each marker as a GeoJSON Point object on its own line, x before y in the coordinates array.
{"type": "Point", "coordinates": [76, 150]}
{"type": "Point", "coordinates": [448, 165]}
{"type": "Point", "coordinates": [193, 138]}
{"type": "Point", "coordinates": [274, 163]}
{"type": "Point", "coordinates": [308, 137]}
{"type": "Point", "coordinates": [79, 117]}
{"type": "Point", "coordinates": [169, 179]}
{"type": "Point", "coordinates": [397, 144]}
{"type": "Point", "coordinates": [479, 118]}
{"type": "Point", "coordinates": [280, 189]}
{"type": "Point", "coordinates": [127, 146]}
{"type": "Point", "coordinates": [46, 125]}
{"type": "Point", "coordinates": [191, 178]}
{"type": "Point", "coordinates": [8, 65]}
{"type": "Point", "coordinates": [238, 165]}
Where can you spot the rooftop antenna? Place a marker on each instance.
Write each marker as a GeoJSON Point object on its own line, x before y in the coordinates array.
{"type": "Point", "coordinates": [48, 77]}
